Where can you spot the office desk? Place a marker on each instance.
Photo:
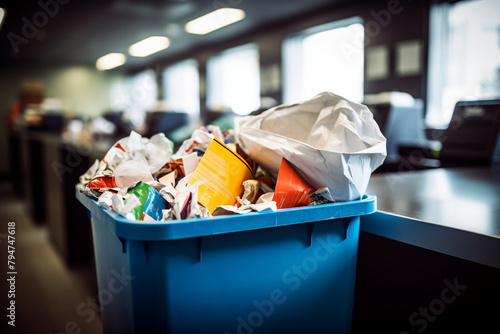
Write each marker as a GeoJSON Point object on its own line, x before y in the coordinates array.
{"type": "Point", "coordinates": [50, 168]}
{"type": "Point", "coordinates": [433, 229]}
{"type": "Point", "coordinates": [453, 211]}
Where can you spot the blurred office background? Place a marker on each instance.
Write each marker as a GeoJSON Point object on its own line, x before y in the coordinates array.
{"type": "Point", "coordinates": [63, 105]}
{"type": "Point", "coordinates": [428, 54]}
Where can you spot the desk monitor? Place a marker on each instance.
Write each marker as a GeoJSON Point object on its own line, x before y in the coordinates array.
{"type": "Point", "coordinates": [122, 127]}
{"type": "Point", "coordinates": [472, 137]}
{"type": "Point", "coordinates": [399, 125]}
{"type": "Point", "coordinates": [165, 122]}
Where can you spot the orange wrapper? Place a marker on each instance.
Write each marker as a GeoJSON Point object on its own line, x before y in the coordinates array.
{"type": "Point", "coordinates": [291, 190]}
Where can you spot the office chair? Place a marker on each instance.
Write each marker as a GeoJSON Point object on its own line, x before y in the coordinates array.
{"type": "Point", "coordinates": [473, 135]}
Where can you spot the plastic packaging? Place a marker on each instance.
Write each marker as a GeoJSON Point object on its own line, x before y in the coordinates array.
{"type": "Point", "coordinates": [151, 203]}
{"type": "Point", "coordinates": [130, 172]}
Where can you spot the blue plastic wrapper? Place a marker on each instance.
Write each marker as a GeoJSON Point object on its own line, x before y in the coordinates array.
{"type": "Point", "coordinates": [152, 203]}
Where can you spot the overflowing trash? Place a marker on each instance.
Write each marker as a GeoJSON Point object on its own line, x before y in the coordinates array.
{"type": "Point", "coordinates": [331, 142]}
{"type": "Point", "coordinates": [311, 153]}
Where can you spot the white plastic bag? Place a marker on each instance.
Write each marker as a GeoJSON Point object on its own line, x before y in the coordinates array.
{"type": "Point", "coordinates": [332, 142]}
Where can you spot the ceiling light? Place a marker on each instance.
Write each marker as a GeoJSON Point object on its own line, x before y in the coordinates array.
{"type": "Point", "coordinates": [148, 46]}
{"type": "Point", "coordinates": [109, 61]}
{"type": "Point", "coordinates": [214, 20]}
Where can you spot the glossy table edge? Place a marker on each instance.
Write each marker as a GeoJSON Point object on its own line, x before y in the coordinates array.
{"type": "Point", "coordinates": [416, 227]}
{"type": "Point", "coordinates": [463, 244]}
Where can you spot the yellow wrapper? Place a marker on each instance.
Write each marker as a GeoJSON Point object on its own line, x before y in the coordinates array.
{"type": "Point", "coordinates": [221, 172]}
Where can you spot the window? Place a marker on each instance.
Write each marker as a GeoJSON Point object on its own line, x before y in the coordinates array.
{"type": "Point", "coordinates": [181, 87]}
{"type": "Point", "coordinates": [324, 58]}
{"type": "Point", "coordinates": [135, 95]}
{"type": "Point", "coordinates": [464, 56]}
{"type": "Point", "coordinates": [233, 80]}
{"type": "Point", "coordinates": [143, 89]}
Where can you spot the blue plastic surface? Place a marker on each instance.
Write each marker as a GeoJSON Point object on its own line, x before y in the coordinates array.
{"type": "Point", "coordinates": [289, 271]}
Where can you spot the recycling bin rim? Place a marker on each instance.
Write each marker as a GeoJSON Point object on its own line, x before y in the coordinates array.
{"type": "Point", "coordinates": [199, 227]}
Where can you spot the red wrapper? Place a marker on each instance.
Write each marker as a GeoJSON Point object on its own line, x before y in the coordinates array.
{"type": "Point", "coordinates": [291, 190]}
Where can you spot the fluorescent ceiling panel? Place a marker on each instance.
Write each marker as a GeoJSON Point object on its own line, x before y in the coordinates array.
{"type": "Point", "coordinates": [215, 20]}
{"type": "Point", "coordinates": [109, 61]}
{"type": "Point", "coordinates": [149, 46]}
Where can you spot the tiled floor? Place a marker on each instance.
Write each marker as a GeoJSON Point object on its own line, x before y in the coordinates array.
{"type": "Point", "coordinates": [47, 291]}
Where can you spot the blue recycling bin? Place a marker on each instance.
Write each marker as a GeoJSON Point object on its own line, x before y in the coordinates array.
{"type": "Point", "coordinates": [288, 271]}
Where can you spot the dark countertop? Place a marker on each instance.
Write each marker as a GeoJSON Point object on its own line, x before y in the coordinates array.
{"type": "Point", "coordinates": [464, 198]}
{"type": "Point", "coordinates": [455, 211]}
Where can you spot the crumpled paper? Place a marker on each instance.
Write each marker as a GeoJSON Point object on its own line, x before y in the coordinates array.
{"type": "Point", "coordinates": [332, 142]}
